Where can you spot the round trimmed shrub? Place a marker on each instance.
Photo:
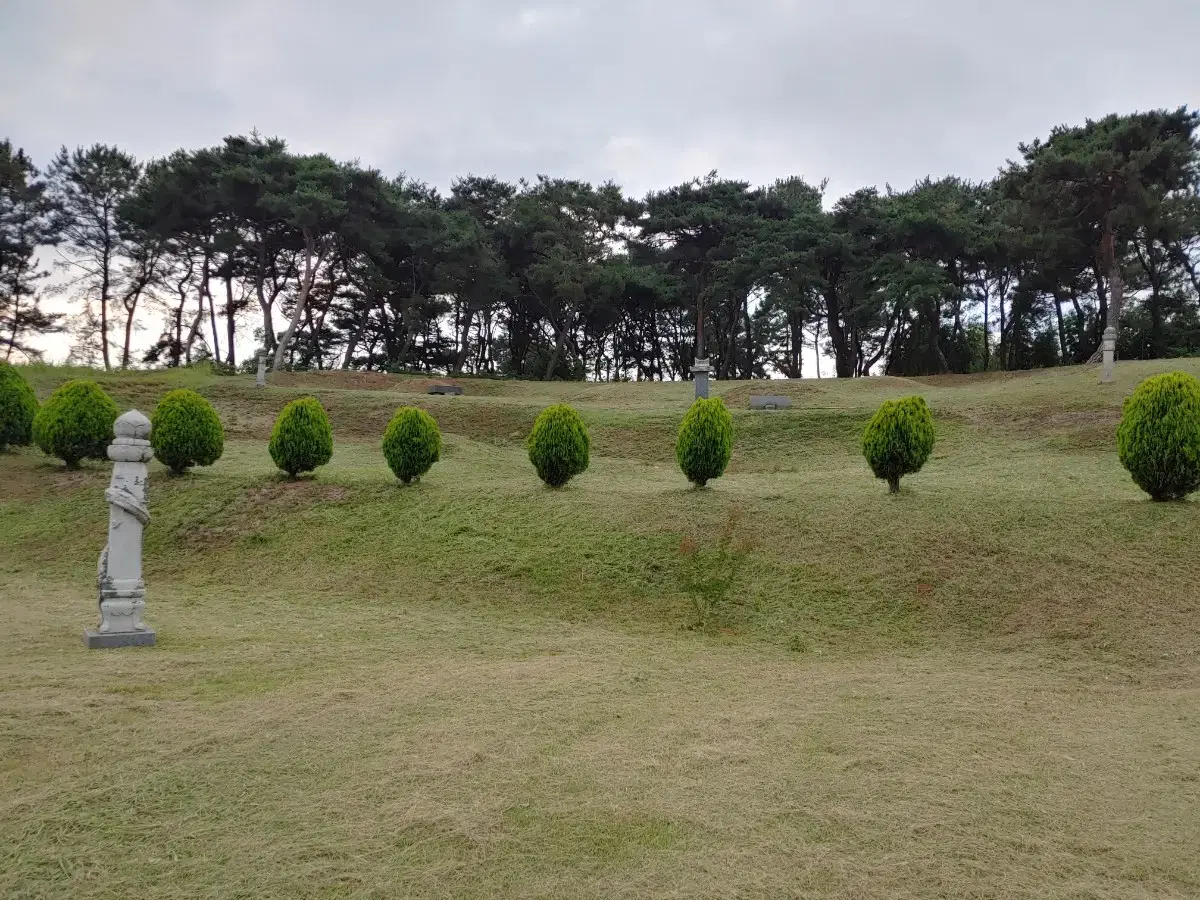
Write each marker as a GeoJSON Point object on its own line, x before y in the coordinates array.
{"type": "Point", "coordinates": [185, 431]}
{"type": "Point", "coordinates": [705, 441]}
{"type": "Point", "coordinates": [301, 439]}
{"type": "Point", "coordinates": [899, 439]}
{"type": "Point", "coordinates": [76, 423]}
{"type": "Point", "coordinates": [559, 445]}
{"type": "Point", "coordinates": [412, 443]}
{"type": "Point", "coordinates": [18, 406]}
{"type": "Point", "coordinates": [1158, 439]}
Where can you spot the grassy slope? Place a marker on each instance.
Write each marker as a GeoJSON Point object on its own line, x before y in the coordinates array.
{"type": "Point", "coordinates": [478, 687]}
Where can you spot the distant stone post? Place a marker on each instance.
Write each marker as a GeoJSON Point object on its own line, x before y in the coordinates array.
{"type": "Point", "coordinates": [1108, 346]}
{"type": "Point", "coordinates": [119, 574]}
{"type": "Point", "coordinates": [700, 370]}
{"type": "Point", "coordinates": [260, 380]}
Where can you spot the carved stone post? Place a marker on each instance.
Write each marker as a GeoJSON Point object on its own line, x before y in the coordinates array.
{"type": "Point", "coordinates": [119, 575]}
{"type": "Point", "coordinates": [700, 370]}
{"type": "Point", "coordinates": [260, 380]}
{"type": "Point", "coordinates": [1108, 346]}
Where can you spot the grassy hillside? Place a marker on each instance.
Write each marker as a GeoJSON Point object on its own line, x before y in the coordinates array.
{"type": "Point", "coordinates": [478, 687]}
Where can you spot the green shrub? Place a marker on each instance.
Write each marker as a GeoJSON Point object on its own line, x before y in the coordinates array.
{"type": "Point", "coordinates": [302, 439]}
{"type": "Point", "coordinates": [1158, 439]}
{"type": "Point", "coordinates": [18, 406]}
{"type": "Point", "coordinates": [76, 423]}
{"type": "Point", "coordinates": [705, 441]}
{"type": "Point", "coordinates": [899, 439]}
{"type": "Point", "coordinates": [559, 445]}
{"type": "Point", "coordinates": [185, 431]}
{"type": "Point", "coordinates": [412, 443]}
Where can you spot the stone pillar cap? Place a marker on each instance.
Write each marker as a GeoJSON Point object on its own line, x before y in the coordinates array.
{"type": "Point", "coordinates": [132, 425]}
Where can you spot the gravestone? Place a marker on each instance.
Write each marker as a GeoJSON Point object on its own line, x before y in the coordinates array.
{"type": "Point", "coordinates": [119, 573]}
{"type": "Point", "coordinates": [260, 380]}
{"type": "Point", "coordinates": [451, 389]}
{"type": "Point", "coordinates": [700, 371]}
{"type": "Point", "coordinates": [1108, 346]}
{"type": "Point", "coordinates": [767, 401]}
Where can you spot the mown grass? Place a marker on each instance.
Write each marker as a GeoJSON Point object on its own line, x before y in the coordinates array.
{"type": "Point", "coordinates": [476, 687]}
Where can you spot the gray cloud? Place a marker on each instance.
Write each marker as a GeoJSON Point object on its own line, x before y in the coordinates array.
{"type": "Point", "coordinates": [647, 92]}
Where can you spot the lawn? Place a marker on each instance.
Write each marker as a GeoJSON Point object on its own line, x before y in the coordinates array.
{"type": "Point", "coordinates": [985, 686]}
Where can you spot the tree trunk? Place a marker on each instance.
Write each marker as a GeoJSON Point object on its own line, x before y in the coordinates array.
{"type": "Point", "coordinates": [560, 341]}
{"type": "Point", "coordinates": [16, 313]}
{"type": "Point", "coordinates": [130, 311]}
{"type": "Point", "coordinates": [1154, 305]}
{"type": "Point", "coordinates": [1110, 302]}
{"type": "Point", "coordinates": [177, 345]}
{"type": "Point", "coordinates": [105, 286]}
{"type": "Point", "coordinates": [195, 330]}
{"type": "Point", "coordinates": [464, 347]}
{"type": "Point", "coordinates": [796, 350]}
{"type": "Point", "coordinates": [748, 369]}
{"type": "Point", "coordinates": [310, 274]}
{"type": "Point", "coordinates": [1003, 347]}
{"type": "Point", "coordinates": [181, 289]}
{"type": "Point", "coordinates": [260, 276]}
{"type": "Point", "coordinates": [933, 314]}
{"type": "Point", "coordinates": [230, 325]}
{"type": "Point", "coordinates": [817, 348]}
{"type": "Point", "coordinates": [318, 330]}
{"type": "Point", "coordinates": [893, 484]}
{"type": "Point", "coordinates": [205, 292]}
{"type": "Point", "coordinates": [865, 365]}
{"type": "Point", "coordinates": [1062, 331]}
{"type": "Point", "coordinates": [844, 362]}
{"type": "Point", "coordinates": [212, 318]}
{"type": "Point", "coordinates": [1116, 285]}
{"type": "Point", "coordinates": [456, 365]}
{"type": "Point", "coordinates": [987, 332]}
{"type": "Point", "coordinates": [355, 336]}
{"type": "Point", "coordinates": [409, 336]}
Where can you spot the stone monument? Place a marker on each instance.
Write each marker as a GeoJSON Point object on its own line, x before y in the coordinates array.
{"type": "Point", "coordinates": [770, 401]}
{"type": "Point", "coordinates": [1108, 346]}
{"type": "Point", "coordinates": [119, 574]}
{"type": "Point", "coordinates": [260, 380]}
{"type": "Point", "coordinates": [700, 370]}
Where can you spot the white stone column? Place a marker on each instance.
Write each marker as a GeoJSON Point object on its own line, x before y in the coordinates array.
{"type": "Point", "coordinates": [119, 574]}
{"type": "Point", "coordinates": [700, 370]}
{"type": "Point", "coordinates": [260, 380]}
{"type": "Point", "coordinates": [1108, 346]}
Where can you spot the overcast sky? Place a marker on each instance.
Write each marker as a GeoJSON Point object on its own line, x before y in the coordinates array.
{"type": "Point", "coordinates": [646, 92]}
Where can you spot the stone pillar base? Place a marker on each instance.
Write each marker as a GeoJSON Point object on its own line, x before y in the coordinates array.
{"type": "Point", "coordinates": [700, 371]}
{"type": "Point", "coordinates": [1108, 352]}
{"type": "Point", "coordinates": [94, 640]}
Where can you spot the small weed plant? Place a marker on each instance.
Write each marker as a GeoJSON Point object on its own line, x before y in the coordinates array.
{"type": "Point", "coordinates": [710, 576]}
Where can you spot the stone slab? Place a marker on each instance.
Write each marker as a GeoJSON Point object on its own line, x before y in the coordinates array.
{"type": "Point", "coordinates": [94, 640]}
{"type": "Point", "coordinates": [445, 389]}
{"type": "Point", "coordinates": [769, 402]}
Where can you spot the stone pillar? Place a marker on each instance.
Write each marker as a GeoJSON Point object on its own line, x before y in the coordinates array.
{"type": "Point", "coordinates": [1108, 346]}
{"type": "Point", "coordinates": [119, 574]}
{"type": "Point", "coordinates": [260, 380]}
{"type": "Point", "coordinates": [700, 370]}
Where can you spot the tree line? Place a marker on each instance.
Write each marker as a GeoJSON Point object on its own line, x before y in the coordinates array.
{"type": "Point", "coordinates": [335, 265]}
